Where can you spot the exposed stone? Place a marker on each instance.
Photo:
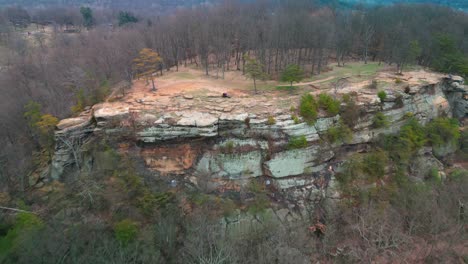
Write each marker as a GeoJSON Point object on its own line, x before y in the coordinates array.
{"type": "Point", "coordinates": [197, 119]}
{"type": "Point", "coordinates": [74, 123]}
{"type": "Point", "coordinates": [456, 78]}
{"type": "Point", "coordinates": [297, 161]}
{"type": "Point", "coordinates": [422, 165]}
{"type": "Point", "coordinates": [323, 124]}
{"type": "Point", "coordinates": [101, 112]}
{"type": "Point", "coordinates": [302, 129]}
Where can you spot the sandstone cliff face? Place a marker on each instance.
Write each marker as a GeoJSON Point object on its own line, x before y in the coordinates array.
{"type": "Point", "coordinates": [225, 149]}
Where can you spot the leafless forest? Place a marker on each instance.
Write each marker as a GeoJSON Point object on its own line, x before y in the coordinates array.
{"type": "Point", "coordinates": [58, 57]}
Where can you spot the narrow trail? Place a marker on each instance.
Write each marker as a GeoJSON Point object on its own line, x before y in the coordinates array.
{"type": "Point", "coordinates": [309, 83]}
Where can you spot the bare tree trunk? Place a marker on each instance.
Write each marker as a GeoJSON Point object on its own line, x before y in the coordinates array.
{"type": "Point", "coordinates": [224, 69]}
{"type": "Point", "coordinates": [276, 60]}
{"type": "Point", "coordinates": [243, 63]}
{"type": "Point", "coordinates": [314, 57]}
{"type": "Point", "coordinates": [16, 210]}
{"type": "Point", "coordinates": [299, 57]}
{"type": "Point", "coordinates": [319, 65]}
{"type": "Point", "coordinates": [365, 54]}
{"type": "Point", "coordinates": [255, 85]}
{"type": "Point", "coordinates": [269, 61]}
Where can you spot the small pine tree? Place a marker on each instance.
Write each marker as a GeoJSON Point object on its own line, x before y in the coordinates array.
{"type": "Point", "coordinates": [146, 64]}
{"type": "Point", "coordinates": [41, 125]}
{"type": "Point", "coordinates": [382, 96]}
{"type": "Point", "coordinates": [125, 231]}
{"type": "Point", "coordinates": [126, 18]}
{"type": "Point", "coordinates": [88, 19]}
{"type": "Point", "coordinates": [254, 70]}
{"type": "Point", "coordinates": [292, 73]}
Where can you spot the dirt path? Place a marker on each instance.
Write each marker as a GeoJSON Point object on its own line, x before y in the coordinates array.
{"type": "Point", "coordinates": [309, 83]}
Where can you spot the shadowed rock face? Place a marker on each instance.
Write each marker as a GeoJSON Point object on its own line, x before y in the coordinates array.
{"type": "Point", "coordinates": [227, 149]}
{"type": "Point", "coordinates": [457, 95]}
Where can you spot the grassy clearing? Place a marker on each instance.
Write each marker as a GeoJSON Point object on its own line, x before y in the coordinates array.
{"type": "Point", "coordinates": [203, 92]}
{"type": "Point", "coordinates": [355, 69]}
{"type": "Point", "coordinates": [179, 76]}
{"type": "Point", "coordinates": [413, 68]}
{"type": "Point", "coordinates": [184, 75]}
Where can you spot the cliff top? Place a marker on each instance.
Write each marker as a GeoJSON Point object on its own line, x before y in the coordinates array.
{"type": "Point", "coordinates": [188, 91]}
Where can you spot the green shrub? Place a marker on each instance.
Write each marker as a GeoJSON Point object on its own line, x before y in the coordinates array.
{"type": "Point", "coordinates": [398, 81]}
{"type": "Point", "coordinates": [382, 96]}
{"type": "Point", "coordinates": [339, 133]}
{"type": "Point", "coordinates": [380, 120]}
{"type": "Point", "coordinates": [367, 167]}
{"type": "Point", "coordinates": [292, 108]}
{"type": "Point", "coordinates": [413, 134]}
{"type": "Point", "coordinates": [350, 113]}
{"type": "Point", "coordinates": [297, 142]}
{"type": "Point", "coordinates": [346, 98]}
{"type": "Point", "coordinates": [261, 201]}
{"type": "Point", "coordinates": [228, 147]}
{"type": "Point", "coordinates": [148, 201]}
{"type": "Point", "coordinates": [434, 175]}
{"type": "Point", "coordinates": [408, 115]}
{"type": "Point", "coordinates": [329, 104]}
{"type": "Point", "coordinates": [443, 131]}
{"type": "Point", "coordinates": [464, 142]}
{"type": "Point", "coordinates": [403, 145]}
{"type": "Point", "coordinates": [296, 120]}
{"type": "Point", "coordinates": [350, 171]}
{"type": "Point", "coordinates": [259, 204]}
{"type": "Point", "coordinates": [24, 225]}
{"type": "Point", "coordinates": [125, 231]}
{"type": "Point", "coordinates": [271, 121]}
{"type": "Point", "coordinates": [374, 163]}
{"type": "Point", "coordinates": [199, 198]}
{"type": "Point", "coordinates": [308, 108]}
{"type": "Point", "coordinates": [80, 102]}
{"type": "Point", "coordinates": [458, 174]}
{"type": "Point", "coordinates": [228, 207]}
{"type": "Point", "coordinates": [42, 125]}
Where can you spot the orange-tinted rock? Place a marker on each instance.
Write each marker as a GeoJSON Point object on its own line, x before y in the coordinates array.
{"type": "Point", "coordinates": [170, 159]}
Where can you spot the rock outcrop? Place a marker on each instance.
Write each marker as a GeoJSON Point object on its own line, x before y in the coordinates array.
{"type": "Point", "coordinates": [222, 147]}
{"type": "Point", "coordinates": [457, 95]}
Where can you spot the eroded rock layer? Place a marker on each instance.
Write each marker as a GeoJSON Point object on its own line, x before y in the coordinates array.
{"type": "Point", "coordinates": [225, 149]}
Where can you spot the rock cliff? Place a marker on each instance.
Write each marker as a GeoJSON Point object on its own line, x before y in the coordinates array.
{"type": "Point", "coordinates": [225, 142]}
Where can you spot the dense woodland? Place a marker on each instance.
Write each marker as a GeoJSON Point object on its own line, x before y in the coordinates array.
{"type": "Point", "coordinates": [55, 61]}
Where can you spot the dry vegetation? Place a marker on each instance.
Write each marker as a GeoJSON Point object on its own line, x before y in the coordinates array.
{"type": "Point", "coordinates": [118, 212]}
